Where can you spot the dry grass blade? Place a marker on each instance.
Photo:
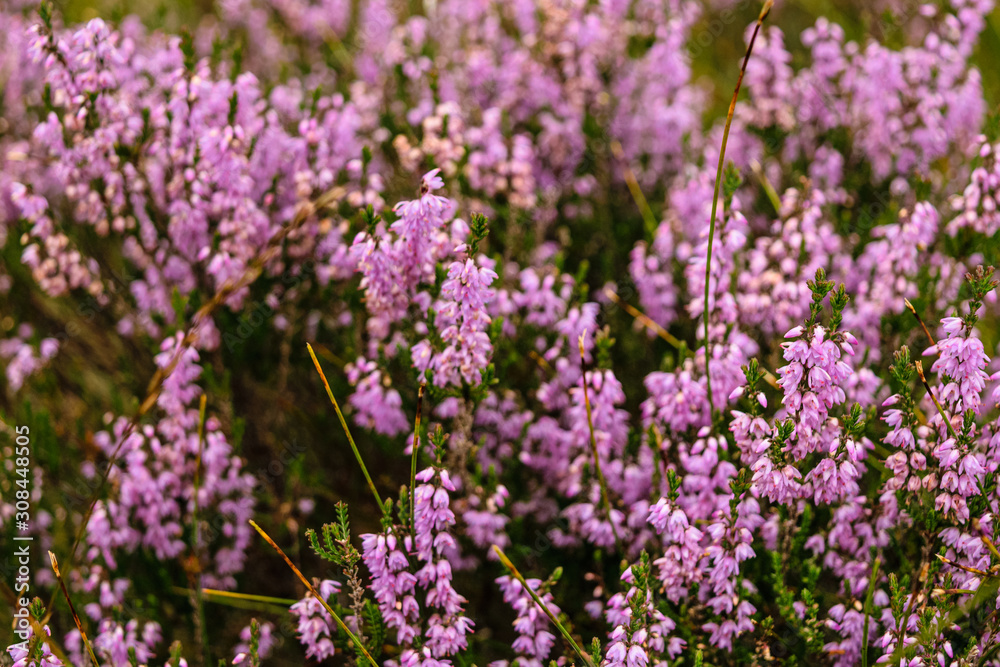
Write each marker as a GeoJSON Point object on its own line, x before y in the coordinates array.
{"type": "Point", "coordinates": [72, 609]}
{"type": "Point", "coordinates": [909, 306]}
{"type": "Point", "coordinates": [972, 570]}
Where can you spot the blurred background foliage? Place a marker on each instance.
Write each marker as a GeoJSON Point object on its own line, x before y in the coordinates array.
{"type": "Point", "coordinates": [716, 65]}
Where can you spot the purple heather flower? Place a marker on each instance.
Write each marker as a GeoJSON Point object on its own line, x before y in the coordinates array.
{"type": "Point", "coordinates": [535, 641]}
{"type": "Point", "coordinates": [448, 625]}
{"type": "Point", "coordinates": [393, 585]}
{"type": "Point", "coordinates": [462, 321]}
{"type": "Point", "coordinates": [962, 362]}
{"type": "Point", "coordinates": [316, 627]}
{"type": "Point", "coordinates": [19, 653]}
{"type": "Point", "coordinates": [978, 206]}
{"type": "Point", "coordinates": [377, 405]}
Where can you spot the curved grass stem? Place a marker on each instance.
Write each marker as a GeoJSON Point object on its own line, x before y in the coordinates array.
{"type": "Point", "coordinates": [765, 10]}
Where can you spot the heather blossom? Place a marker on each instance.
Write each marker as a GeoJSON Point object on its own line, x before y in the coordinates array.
{"type": "Point", "coordinates": [393, 584]}
{"type": "Point", "coordinates": [962, 362]}
{"type": "Point", "coordinates": [399, 563]}
{"type": "Point", "coordinates": [448, 626]}
{"type": "Point", "coordinates": [535, 640]}
{"type": "Point", "coordinates": [977, 206]}
{"type": "Point", "coordinates": [639, 628]}
{"type": "Point", "coordinates": [377, 405]}
{"type": "Point", "coordinates": [395, 261]}
{"type": "Point", "coordinates": [461, 320]}
{"type": "Point", "coordinates": [678, 567]}
{"type": "Point", "coordinates": [315, 626]}
{"type": "Point", "coordinates": [731, 538]}
{"type": "Point", "coordinates": [41, 656]}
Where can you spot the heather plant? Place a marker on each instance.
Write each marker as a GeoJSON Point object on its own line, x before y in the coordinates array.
{"type": "Point", "coordinates": [467, 332]}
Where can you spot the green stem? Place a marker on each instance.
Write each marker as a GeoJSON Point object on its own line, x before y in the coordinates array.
{"type": "Point", "coordinates": [414, 453]}
{"type": "Point", "coordinates": [199, 602]}
{"type": "Point", "coordinates": [772, 194]}
{"type": "Point", "coordinates": [920, 372]}
{"type": "Point", "coordinates": [715, 199]}
{"type": "Point", "coordinates": [868, 611]}
{"type": "Point", "coordinates": [541, 605]}
{"type": "Point", "coordinates": [343, 423]}
{"type": "Point", "coordinates": [593, 449]}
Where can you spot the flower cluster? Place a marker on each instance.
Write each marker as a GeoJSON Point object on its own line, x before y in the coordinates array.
{"type": "Point", "coordinates": [315, 626]}
{"type": "Point", "coordinates": [535, 640]}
